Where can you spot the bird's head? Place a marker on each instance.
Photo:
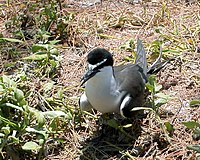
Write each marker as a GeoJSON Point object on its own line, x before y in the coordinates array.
{"type": "Point", "coordinates": [97, 59]}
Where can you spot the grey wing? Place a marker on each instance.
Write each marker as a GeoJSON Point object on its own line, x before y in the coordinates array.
{"type": "Point", "coordinates": [130, 78]}
{"type": "Point", "coordinates": [132, 81]}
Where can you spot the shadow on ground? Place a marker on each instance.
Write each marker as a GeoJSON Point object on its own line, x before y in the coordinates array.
{"type": "Point", "coordinates": [115, 138]}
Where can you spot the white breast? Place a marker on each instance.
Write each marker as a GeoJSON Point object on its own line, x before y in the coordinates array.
{"type": "Point", "coordinates": [102, 93]}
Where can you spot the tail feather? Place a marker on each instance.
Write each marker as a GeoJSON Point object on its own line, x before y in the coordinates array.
{"type": "Point", "coordinates": [158, 64]}
{"type": "Point", "coordinates": [141, 59]}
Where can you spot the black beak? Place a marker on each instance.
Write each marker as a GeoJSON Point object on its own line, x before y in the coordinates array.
{"type": "Point", "coordinates": [89, 74]}
{"type": "Point", "coordinates": [91, 71]}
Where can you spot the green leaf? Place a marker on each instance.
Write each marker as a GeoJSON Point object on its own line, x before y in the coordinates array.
{"type": "Point", "coordinates": [162, 95]}
{"type": "Point", "coordinates": [150, 87]}
{"type": "Point", "coordinates": [169, 127]}
{"type": "Point", "coordinates": [9, 82]}
{"type": "Point", "coordinates": [54, 42]}
{"type": "Point", "coordinates": [194, 102]}
{"type": "Point", "coordinates": [39, 47]}
{"type": "Point", "coordinates": [37, 57]}
{"type": "Point", "coordinates": [171, 51]}
{"type": "Point", "coordinates": [19, 95]}
{"type": "Point", "coordinates": [54, 51]}
{"type": "Point", "coordinates": [31, 146]}
{"type": "Point", "coordinates": [5, 79]}
{"type": "Point", "coordinates": [11, 40]}
{"type": "Point", "coordinates": [113, 123]}
{"type": "Point", "coordinates": [48, 86]}
{"type": "Point", "coordinates": [33, 130]}
{"type": "Point", "coordinates": [152, 79]}
{"type": "Point", "coordinates": [194, 148]}
{"type": "Point", "coordinates": [54, 114]}
{"type": "Point", "coordinates": [60, 94]}
{"type": "Point", "coordinates": [161, 98]}
{"type": "Point", "coordinates": [158, 102]}
{"type": "Point", "coordinates": [191, 124]}
{"type": "Point", "coordinates": [158, 87]}
{"type": "Point", "coordinates": [9, 122]}
{"type": "Point", "coordinates": [14, 139]}
{"type": "Point", "coordinates": [12, 106]}
{"type": "Point", "coordinates": [39, 116]}
{"type": "Point", "coordinates": [6, 130]}
{"type": "Point", "coordinates": [197, 130]}
{"type": "Point", "coordinates": [129, 45]}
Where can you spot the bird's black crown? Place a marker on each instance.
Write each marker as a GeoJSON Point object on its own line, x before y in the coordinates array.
{"type": "Point", "coordinates": [99, 55]}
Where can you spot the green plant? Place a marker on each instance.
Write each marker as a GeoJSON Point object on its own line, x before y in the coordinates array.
{"type": "Point", "coordinates": [40, 21]}
{"type": "Point", "coordinates": [195, 127]}
{"type": "Point", "coordinates": [47, 58]}
{"type": "Point", "coordinates": [22, 126]}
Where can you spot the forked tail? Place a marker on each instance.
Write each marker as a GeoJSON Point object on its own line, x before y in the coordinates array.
{"type": "Point", "coordinates": [141, 60]}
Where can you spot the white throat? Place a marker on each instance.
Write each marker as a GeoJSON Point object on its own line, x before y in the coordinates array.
{"type": "Point", "coordinates": [102, 91]}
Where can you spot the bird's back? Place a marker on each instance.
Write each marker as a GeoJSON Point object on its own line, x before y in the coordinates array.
{"type": "Point", "coordinates": [132, 77]}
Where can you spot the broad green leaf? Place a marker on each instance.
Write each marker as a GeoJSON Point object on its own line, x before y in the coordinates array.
{"type": "Point", "coordinates": [19, 95]}
{"type": "Point", "coordinates": [39, 47]}
{"type": "Point", "coordinates": [23, 102]}
{"type": "Point", "coordinates": [40, 118]}
{"type": "Point", "coordinates": [36, 57]}
{"type": "Point", "coordinates": [54, 114]}
{"type": "Point", "coordinates": [33, 130]}
{"type": "Point", "coordinates": [191, 124]}
{"type": "Point", "coordinates": [48, 86]}
{"type": "Point", "coordinates": [194, 102]}
{"type": "Point", "coordinates": [194, 148]}
{"type": "Point", "coordinates": [12, 40]}
{"type": "Point", "coordinates": [5, 79]}
{"type": "Point", "coordinates": [31, 146]}
{"type": "Point", "coordinates": [162, 95]}
{"type": "Point", "coordinates": [41, 141]}
{"type": "Point", "coordinates": [54, 51]}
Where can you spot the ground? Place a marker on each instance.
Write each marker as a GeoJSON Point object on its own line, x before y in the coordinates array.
{"type": "Point", "coordinates": [112, 25]}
